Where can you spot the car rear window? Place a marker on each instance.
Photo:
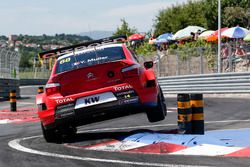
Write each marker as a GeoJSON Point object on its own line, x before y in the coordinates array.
{"type": "Point", "coordinates": [89, 57]}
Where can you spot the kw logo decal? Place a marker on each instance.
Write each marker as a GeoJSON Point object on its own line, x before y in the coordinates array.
{"type": "Point", "coordinates": [92, 100]}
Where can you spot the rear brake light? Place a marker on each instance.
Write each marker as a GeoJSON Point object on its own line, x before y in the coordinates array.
{"type": "Point", "coordinates": [52, 88]}
{"type": "Point", "coordinates": [131, 71]}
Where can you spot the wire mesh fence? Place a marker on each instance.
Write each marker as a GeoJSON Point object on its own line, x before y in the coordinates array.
{"type": "Point", "coordinates": [9, 64]}
{"type": "Point", "coordinates": [34, 73]}
{"type": "Point", "coordinates": [204, 60]}
{"type": "Point", "coordinates": [200, 60]}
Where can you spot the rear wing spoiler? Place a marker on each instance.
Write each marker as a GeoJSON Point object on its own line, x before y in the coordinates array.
{"type": "Point", "coordinates": [61, 51]}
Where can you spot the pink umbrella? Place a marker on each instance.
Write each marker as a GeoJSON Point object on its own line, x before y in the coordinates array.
{"type": "Point", "coordinates": [214, 36]}
{"type": "Point", "coordinates": [136, 37]}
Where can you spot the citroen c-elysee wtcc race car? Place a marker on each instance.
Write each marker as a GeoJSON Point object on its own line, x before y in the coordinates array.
{"type": "Point", "coordinates": [95, 81]}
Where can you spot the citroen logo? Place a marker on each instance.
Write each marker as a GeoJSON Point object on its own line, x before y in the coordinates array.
{"type": "Point", "coordinates": [90, 75]}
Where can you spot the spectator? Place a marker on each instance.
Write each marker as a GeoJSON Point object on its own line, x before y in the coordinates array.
{"type": "Point", "coordinates": [196, 35]}
{"type": "Point", "coordinates": [225, 52]}
{"type": "Point", "coordinates": [239, 52]}
{"type": "Point", "coordinates": [225, 56]}
{"type": "Point", "coordinates": [193, 36]}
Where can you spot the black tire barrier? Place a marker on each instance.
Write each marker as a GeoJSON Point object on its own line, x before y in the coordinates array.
{"type": "Point", "coordinates": [13, 100]}
{"type": "Point", "coordinates": [184, 114]}
{"type": "Point", "coordinates": [24, 82]}
{"type": "Point", "coordinates": [6, 85]}
{"type": "Point", "coordinates": [40, 90]}
{"type": "Point", "coordinates": [197, 105]}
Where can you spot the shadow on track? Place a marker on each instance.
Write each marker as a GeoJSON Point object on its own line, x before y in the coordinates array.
{"type": "Point", "coordinates": [94, 137]}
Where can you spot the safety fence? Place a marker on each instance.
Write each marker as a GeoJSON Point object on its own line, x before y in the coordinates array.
{"type": "Point", "coordinates": [9, 63]}
{"type": "Point", "coordinates": [203, 60]}
{"type": "Point", "coordinates": [185, 61]}
{"type": "Point", "coordinates": [34, 73]}
{"type": "Point", "coordinates": [206, 83]}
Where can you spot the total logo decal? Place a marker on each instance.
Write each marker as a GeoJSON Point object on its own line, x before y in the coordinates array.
{"type": "Point", "coordinates": [121, 88]}
{"type": "Point", "coordinates": [68, 99]}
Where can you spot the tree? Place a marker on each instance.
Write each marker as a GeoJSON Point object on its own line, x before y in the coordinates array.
{"type": "Point", "coordinates": [124, 29]}
{"type": "Point", "coordinates": [236, 16]}
{"type": "Point", "coordinates": [180, 16]}
{"type": "Point", "coordinates": [202, 13]}
{"type": "Point", "coordinates": [211, 12]}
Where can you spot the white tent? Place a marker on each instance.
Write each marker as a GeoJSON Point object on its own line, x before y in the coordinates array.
{"type": "Point", "coordinates": [186, 32]}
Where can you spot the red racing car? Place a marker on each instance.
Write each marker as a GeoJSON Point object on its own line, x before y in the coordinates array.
{"type": "Point", "coordinates": [95, 81]}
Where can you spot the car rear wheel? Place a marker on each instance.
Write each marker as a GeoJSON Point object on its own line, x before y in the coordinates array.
{"type": "Point", "coordinates": [51, 135]}
{"type": "Point", "coordinates": [69, 132]}
{"type": "Point", "coordinates": [159, 112]}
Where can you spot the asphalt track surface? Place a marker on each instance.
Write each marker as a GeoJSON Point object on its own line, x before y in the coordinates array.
{"type": "Point", "coordinates": [31, 150]}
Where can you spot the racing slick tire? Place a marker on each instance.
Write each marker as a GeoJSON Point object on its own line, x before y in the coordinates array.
{"type": "Point", "coordinates": [51, 135]}
{"type": "Point", "coordinates": [159, 112]}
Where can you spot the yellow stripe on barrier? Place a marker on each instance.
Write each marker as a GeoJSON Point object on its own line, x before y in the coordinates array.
{"type": "Point", "coordinates": [12, 100]}
{"type": "Point", "coordinates": [184, 118]}
{"type": "Point", "coordinates": [198, 117]}
{"type": "Point", "coordinates": [196, 103]}
{"type": "Point", "coordinates": [12, 94]}
{"type": "Point", "coordinates": [183, 105]}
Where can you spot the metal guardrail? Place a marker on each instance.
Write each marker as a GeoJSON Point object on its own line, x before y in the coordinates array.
{"type": "Point", "coordinates": [206, 83]}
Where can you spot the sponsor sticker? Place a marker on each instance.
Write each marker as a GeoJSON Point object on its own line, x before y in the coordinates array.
{"type": "Point", "coordinates": [129, 100]}
{"type": "Point", "coordinates": [121, 88]}
{"type": "Point", "coordinates": [95, 99]}
{"type": "Point", "coordinates": [125, 93]}
{"type": "Point", "coordinates": [68, 99]}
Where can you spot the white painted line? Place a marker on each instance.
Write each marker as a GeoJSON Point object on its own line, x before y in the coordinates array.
{"type": "Point", "coordinates": [118, 146]}
{"type": "Point", "coordinates": [207, 150]}
{"type": "Point", "coordinates": [153, 126]}
{"type": "Point", "coordinates": [28, 95]}
{"type": "Point", "coordinates": [19, 102]}
{"type": "Point", "coordinates": [172, 108]}
{"type": "Point", "coordinates": [31, 86]}
{"type": "Point", "coordinates": [15, 144]}
{"type": "Point", "coordinates": [228, 121]}
{"type": "Point", "coordinates": [6, 121]}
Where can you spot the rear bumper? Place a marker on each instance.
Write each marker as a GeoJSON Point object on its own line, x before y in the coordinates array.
{"type": "Point", "coordinates": [129, 101]}
{"type": "Point", "coordinates": [97, 113]}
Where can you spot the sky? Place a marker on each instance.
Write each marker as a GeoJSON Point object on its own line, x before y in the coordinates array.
{"type": "Point", "coordinates": [37, 17]}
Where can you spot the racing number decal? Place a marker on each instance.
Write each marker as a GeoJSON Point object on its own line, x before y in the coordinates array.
{"type": "Point", "coordinates": [65, 60]}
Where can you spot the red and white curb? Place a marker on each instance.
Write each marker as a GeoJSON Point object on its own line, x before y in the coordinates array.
{"type": "Point", "coordinates": [15, 144]}
{"type": "Point", "coordinates": [213, 143]}
{"type": "Point", "coordinates": [20, 116]}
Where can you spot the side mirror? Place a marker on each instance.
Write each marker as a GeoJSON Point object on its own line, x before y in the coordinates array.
{"type": "Point", "coordinates": [148, 64]}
